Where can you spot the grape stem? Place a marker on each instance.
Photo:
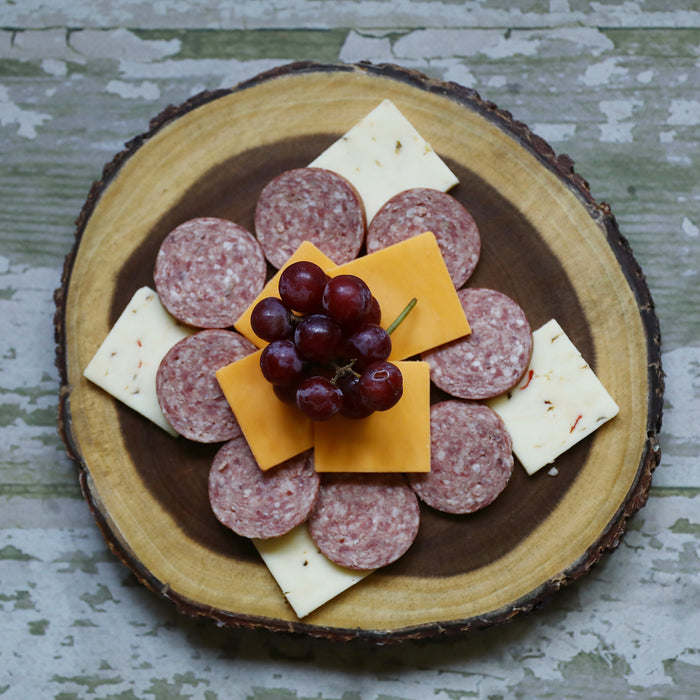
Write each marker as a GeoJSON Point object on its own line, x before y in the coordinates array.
{"type": "Point", "coordinates": [400, 318]}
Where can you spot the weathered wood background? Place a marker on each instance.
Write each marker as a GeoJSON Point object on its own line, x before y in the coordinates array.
{"type": "Point", "coordinates": [616, 85]}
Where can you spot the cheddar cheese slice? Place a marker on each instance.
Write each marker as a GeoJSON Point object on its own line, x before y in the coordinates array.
{"type": "Point", "coordinates": [396, 274]}
{"type": "Point", "coordinates": [306, 251]}
{"type": "Point", "coordinates": [397, 440]}
{"type": "Point", "coordinates": [274, 430]}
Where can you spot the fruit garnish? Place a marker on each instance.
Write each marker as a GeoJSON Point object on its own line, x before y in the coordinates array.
{"type": "Point", "coordinates": [327, 353]}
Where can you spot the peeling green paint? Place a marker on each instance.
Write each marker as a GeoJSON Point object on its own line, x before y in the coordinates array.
{"type": "Point", "coordinates": [164, 689]}
{"type": "Point", "coordinates": [10, 552]}
{"type": "Point", "coordinates": [22, 600]}
{"type": "Point", "coordinates": [82, 622]}
{"type": "Point", "coordinates": [299, 44]}
{"type": "Point", "coordinates": [90, 682]}
{"type": "Point", "coordinates": [683, 526]}
{"type": "Point", "coordinates": [80, 561]}
{"type": "Point", "coordinates": [38, 627]}
{"type": "Point", "coordinates": [42, 491]}
{"type": "Point", "coordinates": [96, 600]}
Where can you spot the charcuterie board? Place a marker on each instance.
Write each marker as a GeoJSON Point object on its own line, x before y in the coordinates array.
{"type": "Point", "coordinates": [545, 242]}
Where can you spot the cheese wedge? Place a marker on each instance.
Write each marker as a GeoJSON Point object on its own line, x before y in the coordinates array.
{"type": "Point", "coordinates": [126, 363]}
{"type": "Point", "coordinates": [306, 251]}
{"type": "Point", "coordinates": [306, 577]}
{"type": "Point", "coordinates": [382, 155]}
{"type": "Point", "coordinates": [397, 440]}
{"type": "Point", "coordinates": [412, 268]}
{"type": "Point", "coordinates": [559, 401]}
{"type": "Point", "coordinates": [274, 430]}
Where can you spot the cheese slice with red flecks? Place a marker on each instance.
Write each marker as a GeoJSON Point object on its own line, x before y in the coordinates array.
{"type": "Point", "coordinates": [126, 363]}
{"type": "Point", "coordinates": [558, 403]}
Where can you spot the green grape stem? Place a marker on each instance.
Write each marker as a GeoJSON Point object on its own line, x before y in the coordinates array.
{"type": "Point", "coordinates": [401, 317]}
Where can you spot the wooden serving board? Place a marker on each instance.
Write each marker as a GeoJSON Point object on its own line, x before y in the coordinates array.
{"type": "Point", "coordinates": [545, 242]}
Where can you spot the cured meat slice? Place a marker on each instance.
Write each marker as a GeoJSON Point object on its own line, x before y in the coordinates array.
{"type": "Point", "coordinates": [471, 458]}
{"type": "Point", "coordinates": [493, 357]}
{"type": "Point", "coordinates": [364, 521]}
{"type": "Point", "coordinates": [188, 392]}
{"type": "Point", "coordinates": [310, 204]}
{"type": "Point", "coordinates": [257, 503]}
{"type": "Point", "coordinates": [422, 209]}
{"type": "Point", "coordinates": [208, 271]}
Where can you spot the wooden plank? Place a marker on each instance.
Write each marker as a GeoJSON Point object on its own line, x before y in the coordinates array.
{"type": "Point", "coordinates": [615, 85]}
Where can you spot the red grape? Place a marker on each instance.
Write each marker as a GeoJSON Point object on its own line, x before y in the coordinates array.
{"type": "Point", "coordinates": [301, 286]}
{"type": "Point", "coordinates": [270, 320]}
{"type": "Point", "coordinates": [381, 385]}
{"type": "Point", "coordinates": [319, 398]}
{"type": "Point", "coordinates": [280, 362]}
{"type": "Point", "coordinates": [318, 338]}
{"type": "Point", "coordinates": [353, 405]}
{"type": "Point", "coordinates": [346, 298]}
{"type": "Point", "coordinates": [368, 344]}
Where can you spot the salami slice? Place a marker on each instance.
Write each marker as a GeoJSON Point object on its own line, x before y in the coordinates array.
{"type": "Point", "coordinates": [310, 204]}
{"type": "Point", "coordinates": [422, 209]}
{"type": "Point", "coordinates": [364, 521]}
{"type": "Point", "coordinates": [471, 458]}
{"type": "Point", "coordinates": [188, 393]}
{"type": "Point", "coordinates": [208, 271]}
{"type": "Point", "coordinates": [257, 503]}
{"type": "Point", "coordinates": [493, 357]}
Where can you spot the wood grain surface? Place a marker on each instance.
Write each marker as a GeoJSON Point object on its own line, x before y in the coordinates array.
{"type": "Point", "coordinates": [614, 85]}
{"type": "Point", "coordinates": [547, 244]}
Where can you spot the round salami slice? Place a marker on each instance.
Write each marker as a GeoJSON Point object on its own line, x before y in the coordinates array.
{"type": "Point", "coordinates": [422, 209]}
{"type": "Point", "coordinates": [471, 458]}
{"type": "Point", "coordinates": [208, 271]}
{"type": "Point", "coordinates": [257, 503]}
{"type": "Point", "coordinates": [493, 357]}
{"type": "Point", "coordinates": [188, 393]}
{"type": "Point", "coordinates": [364, 521]}
{"type": "Point", "coordinates": [310, 204]}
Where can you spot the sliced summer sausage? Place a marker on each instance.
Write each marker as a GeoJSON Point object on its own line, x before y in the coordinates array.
{"type": "Point", "coordinates": [208, 271]}
{"type": "Point", "coordinates": [188, 393]}
{"type": "Point", "coordinates": [310, 204]}
{"type": "Point", "coordinates": [493, 357]}
{"type": "Point", "coordinates": [364, 521]}
{"type": "Point", "coordinates": [257, 503]}
{"type": "Point", "coordinates": [471, 458]}
{"type": "Point", "coordinates": [422, 209]}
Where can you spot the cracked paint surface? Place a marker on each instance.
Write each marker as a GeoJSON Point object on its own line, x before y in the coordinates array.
{"type": "Point", "coordinates": [614, 85]}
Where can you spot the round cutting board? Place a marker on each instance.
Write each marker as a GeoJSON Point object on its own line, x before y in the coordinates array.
{"type": "Point", "coordinates": [545, 242]}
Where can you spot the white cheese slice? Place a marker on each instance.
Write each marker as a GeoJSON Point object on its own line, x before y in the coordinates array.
{"type": "Point", "coordinates": [559, 401]}
{"type": "Point", "coordinates": [126, 363]}
{"type": "Point", "coordinates": [306, 577]}
{"type": "Point", "coordinates": [383, 155]}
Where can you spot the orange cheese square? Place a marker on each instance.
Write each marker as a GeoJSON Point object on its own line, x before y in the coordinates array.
{"type": "Point", "coordinates": [397, 440]}
{"type": "Point", "coordinates": [274, 430]}
{"type": "Point", "coordinates": [306, 251]}
{"type": "Point", "coordinates": [396, 274]}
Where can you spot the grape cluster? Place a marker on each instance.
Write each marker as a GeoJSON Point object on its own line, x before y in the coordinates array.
{"type": "Point", "coordinates": [327, 353]}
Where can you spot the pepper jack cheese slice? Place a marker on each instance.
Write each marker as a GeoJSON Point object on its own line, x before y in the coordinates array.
{"type": "Point", "coordinates": [126, 363]}
{"type": "Point", "coordinates": [383, 155]}
{"type": "Point", "coordinates": [306, 251]}
{"type": "Point", "coordinates": [558, 402]}
{"type": "Point", "coordinates": [396, 274]}
{"type": "Point", "coordinates": [274, 430]}
{"type": "Point", "coordinates": [397, 440]}
{"type": "Point", "coordinates": [306, 577]}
